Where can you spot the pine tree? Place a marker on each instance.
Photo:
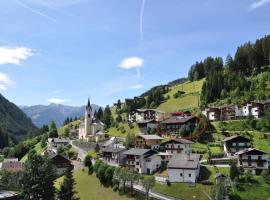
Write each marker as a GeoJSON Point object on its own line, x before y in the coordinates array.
{"type": "Point", "coordinates": [67, 191]}
{"type": "Point", "coordinates": [107, 116]}
{"type": "Point", "coordinates": [53, 133]}
{"type": "Point", "coordinates": [38, 178]}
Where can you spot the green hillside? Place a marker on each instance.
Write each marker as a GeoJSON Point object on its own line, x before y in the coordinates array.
{"type": "Point", "coordinates": [14, 122]}
{"type": "Point", "coordinates": [89, 187]}
{"type": "Point", "coordinates": [190, 99]}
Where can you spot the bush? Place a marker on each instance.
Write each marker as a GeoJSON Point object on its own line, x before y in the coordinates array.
{"type": "Point", "coordinates": [115, 187]}
{"type": "Point", "coordinates": [207, 182]}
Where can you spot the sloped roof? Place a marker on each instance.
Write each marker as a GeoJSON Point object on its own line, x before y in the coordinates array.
{"type": "Point", "coordinates": [235, 137]}
{"type": "Point", "coordinates": [137, 151]}
{"type": "Point", "coordinates": [183, 161]}
{"type": "Point", "coordinates": [177, 120]}
{"type": "Point", "coordinates": [251, 151]}
{"type": "Point", "coordinates": [11, 164]}
{"type": "Point", "coordinates": [112, 149]}
{"type": "Point", "coordinates": [178, 140]}
{"type": "Point", "coordinates": [151, 137]}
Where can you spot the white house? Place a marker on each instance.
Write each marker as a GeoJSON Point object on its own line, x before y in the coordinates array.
{"type": "Point", "coordinates": [184, 168]}
{"type": "Point", "coordinates": [177, 146]}
{"type": "Point", "coordinates": [145, 161]}
{"type": "Point", "coordinates": [146, 114]}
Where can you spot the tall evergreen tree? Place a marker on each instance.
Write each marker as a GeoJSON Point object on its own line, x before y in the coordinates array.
{"type": "Point", "coordinates": [53, 133]}
{"type": "Point", "coordinates": [107, 117]}
{"type": "Point", "coordinates": [38, 178]}
{"type": "Point", "coordinates": [67, 191]}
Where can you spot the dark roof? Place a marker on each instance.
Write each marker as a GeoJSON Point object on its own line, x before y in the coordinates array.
{"type": "Point", "coordinates": [138, 152]}
{"type": "Point", "coordinates": [146, 121]}
{"type": "Point", "coordinates": [177, 120]}
{"type": "Point", "coordinates": [251, 151]}
{"type": "Point", "coordinates": [184, 161]}
{"type": "Point", "coordinates": [178, 141]}
{"type": "Point", "coordinates": [236, 138]}
{"type": "Point", "coordinates": [112, 149]}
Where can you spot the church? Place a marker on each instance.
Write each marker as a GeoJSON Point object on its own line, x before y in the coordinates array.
{"type": "Point", "coordinates": [91, 129]}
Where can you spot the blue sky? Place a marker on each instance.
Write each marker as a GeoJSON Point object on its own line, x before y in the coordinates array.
{"type": "Point", "coordinates": [66, 50]}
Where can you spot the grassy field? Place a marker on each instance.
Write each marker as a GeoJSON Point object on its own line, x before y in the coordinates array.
{"type": "Point", "coordinates": [183, 191]}
{"type": "Point", "coordinates": [61, 130]}
{"type": "Point", "coordinates": [38, 149]}
{"type": "Point", "coordinates": [114, 132]}
{"type": "Point", "coordinates": [189, 100]}
{"type": "Point", "coordinates": [89, 187]}
{"type": "Point", "coordinates": [259, 190]}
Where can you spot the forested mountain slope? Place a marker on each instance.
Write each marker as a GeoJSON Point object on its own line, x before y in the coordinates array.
{"type": "Point", "coordinates": [14, 124]}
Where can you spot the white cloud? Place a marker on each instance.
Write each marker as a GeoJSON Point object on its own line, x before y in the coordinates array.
{"type": "Point", "coordinates": [10, 55]}
{"type": "Point", "coordinates": [136, 86]}
{"type": "Point", "coordinates": [4, 78]}
{"type": "Point", "coordinates": [131, 62]}
{"type": "Point", "coordinates": [57, 101]}
{"type": "Point", "coordinates": [3, 87]}
{"type": "Point", "coordinates": [258, 4]}
{"type": "Point", "coordinates": [5, 81]}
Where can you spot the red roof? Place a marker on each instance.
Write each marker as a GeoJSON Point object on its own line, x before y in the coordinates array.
{"type": "Point", "coordinates": [178, 120]}
{"type": "Point", "coordinates": [180, 113]}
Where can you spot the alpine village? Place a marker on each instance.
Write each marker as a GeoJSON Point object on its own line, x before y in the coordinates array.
{"type": "Point", "coordinates": [205, 136]}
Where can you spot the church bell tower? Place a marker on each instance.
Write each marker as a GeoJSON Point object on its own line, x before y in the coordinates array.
{"type": "Point", "coordinates": [88, 118]}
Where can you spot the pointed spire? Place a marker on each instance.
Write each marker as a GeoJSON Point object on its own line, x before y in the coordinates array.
{"type": "Point", "coordinates": [89, 104]}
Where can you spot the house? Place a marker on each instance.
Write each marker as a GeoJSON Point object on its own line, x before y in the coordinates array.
{"type": "Point", "coordinates": [184, 168]}
{"type": "Point", "coordinates": [177, 146]}
{"type": "Point", "coordinates": [174, 123]}
{"type": "Point", "coordinates": [253, 159]}
{"type": "Point", "coordinates": [146, 114]}
{"type": "Point", "coordinates": [11, 165]}
{"type": "Point", "coordinates": [147, 141]}
{"type": "Point", "coordinates": [227, 112]}
{"type": "Point", "coordinates": [56, 142]}
{"type": "Point", "coordinates": [212, 113]}
{"type": "Point", "coordinates": [256, 109]}
{"type": "Point", "coordinates": [60, 162]}
{"type": "Point", "coordinates": [146, 125]}
{"type": "Point", "coordinates": [145, 161]}
{"type": "Point", "coordinates": [235, 143]}
{"type": "Point", "coordinates": [91, 129]}
{"type": "Point", "coordinates": [113, 155]}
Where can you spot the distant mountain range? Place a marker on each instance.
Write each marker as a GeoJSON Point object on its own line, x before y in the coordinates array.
{"type": "Point", "coordinates": [13, 121]}
{"type": "Point", "coordinates": [44, 114]}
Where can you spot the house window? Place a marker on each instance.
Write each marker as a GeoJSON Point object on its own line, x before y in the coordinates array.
{"type": "Point", "coordinates": [189, 175]}
{"type": "Point", "coordinates": [181, 174]}
{"type": "Point", "coordinates": [171, 151]}
{"type": "Point", "coordinates": [249, 164]}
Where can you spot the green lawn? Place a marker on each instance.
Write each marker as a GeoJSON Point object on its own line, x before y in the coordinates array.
{"type": "Point", "coordinates": [38, 149]}
{"type": "Point", "coordinates": [89, 187]}
{"type": "Point", "coordinates": [189, 100]}
{"type": "Point", "coordinates": [70, 125]}
{"type": "Point", "coordinates": [254, 192]}
{"type": "Point", "coordinates": [183, 191]}
{"type": "Point", "coordinates": [114, 132]}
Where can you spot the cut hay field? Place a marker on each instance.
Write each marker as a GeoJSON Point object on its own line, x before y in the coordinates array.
{"type": "Point", "coordinates": [189, 100]}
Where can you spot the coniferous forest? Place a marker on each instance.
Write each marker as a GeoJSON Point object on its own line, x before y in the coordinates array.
{"type": "Point", "coordinates": [242, 77]}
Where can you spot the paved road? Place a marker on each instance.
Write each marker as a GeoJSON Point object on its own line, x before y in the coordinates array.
{"type": "Point", "coordinates": [81, 153]}
{"type": "Point", "coordinates": [153, 194]}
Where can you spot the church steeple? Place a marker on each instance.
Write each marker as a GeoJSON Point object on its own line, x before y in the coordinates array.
{"type": "Point", "coordinates": [89, 104]}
